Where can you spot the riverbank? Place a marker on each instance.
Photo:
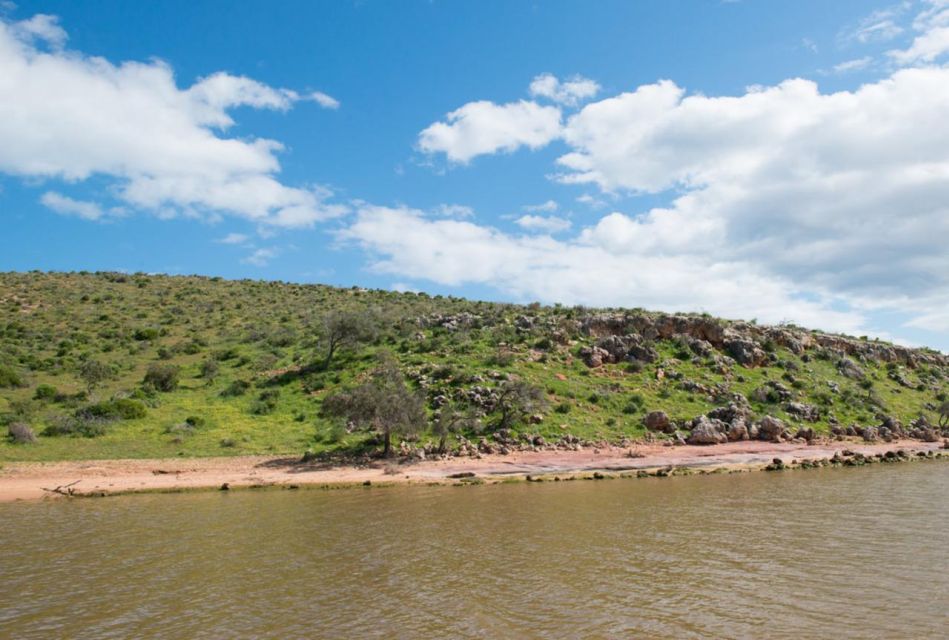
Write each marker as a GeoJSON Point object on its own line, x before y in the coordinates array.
{"type": "Point", "coordinates": [32, 481]}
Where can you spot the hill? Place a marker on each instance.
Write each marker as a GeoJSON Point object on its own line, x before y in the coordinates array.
{"type": "Point", "coordinates": [109, 365]}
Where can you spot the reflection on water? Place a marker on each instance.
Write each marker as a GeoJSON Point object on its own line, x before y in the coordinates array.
{"type": "Point", "coordinates": [851, 553]}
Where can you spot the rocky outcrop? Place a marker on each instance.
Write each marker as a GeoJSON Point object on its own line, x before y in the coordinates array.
{"type": "Point", "coordinates": [745, 341]}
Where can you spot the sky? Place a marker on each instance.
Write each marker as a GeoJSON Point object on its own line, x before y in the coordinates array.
{"type": "Point", "coordinates": [776, 161]}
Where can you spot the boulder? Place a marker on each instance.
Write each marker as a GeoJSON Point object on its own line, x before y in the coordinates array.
{"type": "Point", "coordinates": [806, 412]}
{"type": "Point", "coordinates": [737, 430]}
{"type": "Point", "coordinates": [706, 431]}
{"type": "Point", "coordinates": [770, 428]}
{"type": "Point", "coordinates": [658, 421]}
{"type": "Point", "coordinates": [594, 357]}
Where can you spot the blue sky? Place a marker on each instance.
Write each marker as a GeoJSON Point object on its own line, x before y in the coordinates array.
{"type": "Point", "coordinates": [785, 161]}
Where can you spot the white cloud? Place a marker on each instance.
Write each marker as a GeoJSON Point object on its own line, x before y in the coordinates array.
{"type": "Point", "coordinates": [840, 200]}
{"type": "Point", "coordinates": [485, 127]}
{"type": "Point", "coordinates": [544, 207]}
{"type": "Point", "coordinates": [586, 269]}
{"type": "Point", "coordinates": [41, 27]}
{"type": "Point", "coordinates": [324, 100]}
{"type": "Point", "coordinates": [932, 25]}
{"type": "Point", "coordinates": [69, 116]}
{"type": "Point", "coordinates": [261, 257]}
{"type": "Point", "coordinates": [570, 93]}
{"type": "Point", "coordinates": [547, 224]}
{"type": "Point", "coordinates": [853, 65]}
{"type": "Point", "coordinates": [233, 238]}
{"type": "Point", "coordinates": [68, 207]}
{"type": "Point", "coordinates": [453, 211]}
{"type": "Point", "coordinates": [880, 26]}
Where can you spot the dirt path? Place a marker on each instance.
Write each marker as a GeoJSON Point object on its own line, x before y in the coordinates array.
{"type": "Point", "coordinates": [27, 480]}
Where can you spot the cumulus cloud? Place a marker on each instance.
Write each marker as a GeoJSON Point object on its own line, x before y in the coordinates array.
{"type": "Point", "coordinates": [68, 207]}
{"type": "Point", "coordinates": [69, 116]}
{"type": "Point", "coordinates": [546, 224]}
{"type": "Point", "coordinates": [570, 93]}
{"type": "Point", "coordinates": [485, 127]}
{"type": "Point", "coordinates": [841, 198]}
{"type": "Point", "coordinates": [587, 269]}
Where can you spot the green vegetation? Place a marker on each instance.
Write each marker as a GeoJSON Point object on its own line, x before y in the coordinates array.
{"type": "Point", "coordinates": [109, 365]}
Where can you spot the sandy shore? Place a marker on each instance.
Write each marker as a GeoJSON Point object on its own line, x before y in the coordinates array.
{"type": "Point", "coordinates": [30, 480]}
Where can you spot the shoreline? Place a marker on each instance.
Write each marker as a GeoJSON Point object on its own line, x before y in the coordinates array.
{"type": "Point", "coordinates": [21, 481]}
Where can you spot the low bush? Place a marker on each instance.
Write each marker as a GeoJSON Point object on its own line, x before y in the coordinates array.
{"type": "Point", "coordinates": [236, 388]}
{"type": "Point", "coordinates": [10, 378]}
{"type": "Point", "coordinates": [77, 426]}
{"type": "Point", "coordinates": [161, 377]}
{"type": "Point", "coordinates": [20, 433]}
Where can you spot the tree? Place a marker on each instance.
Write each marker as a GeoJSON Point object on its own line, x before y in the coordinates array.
{"type": "Point", "coordinates": [944, 415]}
{"type": "Point", "coordinates": [450, 419]}
{"type": "Point", "coordinates": [345, 328]}
{"type": "Point", "coordinates": [162, 377]}
{"type": "Point", "coordinates": [94, 373]}
{"type": "Point", "coordinates": [383, 404]}
{"type": "Point", "coordinates": [518, 399]}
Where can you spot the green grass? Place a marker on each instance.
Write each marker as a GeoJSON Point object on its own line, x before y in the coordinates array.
{"type": "Point", "coordinates": [51, 323]}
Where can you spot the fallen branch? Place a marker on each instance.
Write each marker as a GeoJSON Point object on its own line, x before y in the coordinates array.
{"type": "Point", "coordinates": [64, 489]}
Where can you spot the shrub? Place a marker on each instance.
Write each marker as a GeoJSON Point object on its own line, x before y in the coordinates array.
{"type": "Point", "coordinates": [146, 334]}
{"type": "Point", "coordinates": [120, 409]}
{"type": "Point", "coordinates": [45, 392]}
{"type": "Point", "coordinates": [76, 426]}
{"type": "Point", "coordinates": [162, 377]}
{"type": "Point", "coordinates": [236, 388]}
{"type": "Point", "coordinates": [265, 403]}
{"type": "Point", "coordinates": [20, 433]}
{"type": "Point", "coordinates": [9, 378]}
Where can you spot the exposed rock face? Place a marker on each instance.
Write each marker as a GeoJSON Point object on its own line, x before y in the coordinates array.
{"type": "Point", "coordinates": [744, 351]}
{"type": "Point", "coordinates": [658, 421]}
{"type": "Point", "coordinates": [770, 428]}
{"type": "Point", "coordinates": [707, 431]}
{"type": "Point", "coordinates": [745, 340]}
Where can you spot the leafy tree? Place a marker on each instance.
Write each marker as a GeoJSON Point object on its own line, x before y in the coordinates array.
{"type": "Point", "coordinates": [383, 404]}
{"type": "Point", "coordinates": [345, 329]}
{"type": "Point", "coordinates": [94, 373]}
{"type": "Point", "coordinates": [518, 399]}
{"type": "Point", "coordinates": [452, 419]}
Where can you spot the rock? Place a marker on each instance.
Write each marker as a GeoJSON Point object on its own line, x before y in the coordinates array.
{"type": "Point", "coordinates": [737, 430]}
{"type": "Point", "coordinates": [870, 434]}
{"type": "Point", "coordinates": [594, 357]}
{"type": "Point", "coordinates": [770, 428]}
{"type": "Point", "coordinates": [849, 368]}
{"type": "Point", "coordinates": [658, 421]}
{"type": "Point", "coordinates": [744, 351]}
{"type": "Point", "coordinates": [706, 431]}
{"type": "Point", "coordinates": [806, 412]}
{"type": "Point", "coordinates": [806, 434]}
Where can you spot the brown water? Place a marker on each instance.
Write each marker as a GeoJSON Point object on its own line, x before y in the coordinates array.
{"type": "Point", "coordinates": [848, 553]}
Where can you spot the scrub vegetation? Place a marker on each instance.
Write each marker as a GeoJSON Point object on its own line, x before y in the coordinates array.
{"type": "Point", "coordinates": [113, 365]}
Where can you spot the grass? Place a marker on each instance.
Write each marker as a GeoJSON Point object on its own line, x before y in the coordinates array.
{"type": "Point", "coordinates": [266, 334]}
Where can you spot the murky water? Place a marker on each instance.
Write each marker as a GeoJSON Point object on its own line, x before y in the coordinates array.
{"type": "Point", "coordinates": [849, 553]}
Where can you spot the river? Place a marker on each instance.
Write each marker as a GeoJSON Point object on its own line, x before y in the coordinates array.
{"type": "Point", "coordinates": [843, 553]}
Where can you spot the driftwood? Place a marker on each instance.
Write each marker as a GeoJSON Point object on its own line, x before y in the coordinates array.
{"type": "Point", "coordinates": [65, 489]}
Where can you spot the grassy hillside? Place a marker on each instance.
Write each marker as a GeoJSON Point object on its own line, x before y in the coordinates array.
{"type": "Point", "coordinates": [248, 359]}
